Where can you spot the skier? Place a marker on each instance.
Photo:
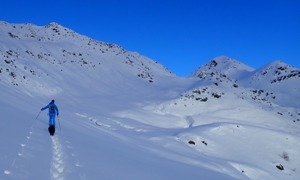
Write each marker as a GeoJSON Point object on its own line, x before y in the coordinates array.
{"type": "Point", "coordinates": [53, 111]}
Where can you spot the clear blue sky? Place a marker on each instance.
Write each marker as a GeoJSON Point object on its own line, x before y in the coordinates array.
{"type": "Point", "coordinates": [180, 34]}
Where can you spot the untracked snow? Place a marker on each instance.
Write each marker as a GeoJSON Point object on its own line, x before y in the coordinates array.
{"type": "Point", "coordinates": [125, 116]}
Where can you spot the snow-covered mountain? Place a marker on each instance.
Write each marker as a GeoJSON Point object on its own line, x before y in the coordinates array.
{"type": "Point", "coordinates": [31, 49]}
{"type": "Point", "coordinates": [125, 116]}
{"type": "Point", "coordinates": [277, 80]}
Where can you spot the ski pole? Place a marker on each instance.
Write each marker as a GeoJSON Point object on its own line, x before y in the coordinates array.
{"type": "Point", "coordinates": [38, 115]}
{"type": "Point", "coordinates": [58, 123]}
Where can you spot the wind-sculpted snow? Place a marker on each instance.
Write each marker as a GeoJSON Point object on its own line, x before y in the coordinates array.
{"type": "Point", "coordinates": [273, 147]}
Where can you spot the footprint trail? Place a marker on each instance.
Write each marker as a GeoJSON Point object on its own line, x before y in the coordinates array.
{"type": "Point", "coordinates": [58, 164]}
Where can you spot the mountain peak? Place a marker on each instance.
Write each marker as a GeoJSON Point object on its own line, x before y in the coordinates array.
{"type": "Point", "coordinates": [223, 58]}
{"type": "Point", "coordinates": [224, 65]}
{"type": "Point", "coordinates": [277, 71]}
{"type": "Point", "coordinates": [53, 24]}
{"type": "Point", "coordinates": [276, 64]}
{"type": "Point", "coordinates": [226, 62]}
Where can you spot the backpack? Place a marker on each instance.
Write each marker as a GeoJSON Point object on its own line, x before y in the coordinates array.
{"type": "Point", "coordinates": [52, 108]}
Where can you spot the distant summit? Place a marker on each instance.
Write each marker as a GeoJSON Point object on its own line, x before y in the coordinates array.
{"type": "Point", "coordinates": [276, 72]}
{"type": "Point", "coordinates": [276, 77]}
{"type": "Point", "coordinates": [224, 65]}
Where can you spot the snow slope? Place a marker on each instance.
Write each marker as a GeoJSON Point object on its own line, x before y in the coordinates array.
{"type": "Point", "coordinates": [125, 116]}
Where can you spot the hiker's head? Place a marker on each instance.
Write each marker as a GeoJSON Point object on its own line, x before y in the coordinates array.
{"type": "Point", "coordinates": [52, 101]}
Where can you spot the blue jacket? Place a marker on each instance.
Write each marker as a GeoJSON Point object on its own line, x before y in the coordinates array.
{"type": "Point", "coordinates": [48, 107]}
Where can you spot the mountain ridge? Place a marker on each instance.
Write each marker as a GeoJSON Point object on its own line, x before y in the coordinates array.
{"type": "Point", "coordinates": [88, 53]}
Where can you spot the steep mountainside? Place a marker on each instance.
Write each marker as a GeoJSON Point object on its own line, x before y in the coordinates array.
{"type": "Point", "coordinates": [28, 50]}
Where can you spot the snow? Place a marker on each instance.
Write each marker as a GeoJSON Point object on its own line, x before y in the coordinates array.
{"type": "Point", "coordinates": [125, 116]}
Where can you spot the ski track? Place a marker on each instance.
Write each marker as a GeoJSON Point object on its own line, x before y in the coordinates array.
{"type": "Point", "coordinates": [111, 124]}
{"type": "Point", "coordinates": [58, 164]}
{"type": "Point", "coordinates": [63, 166]}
